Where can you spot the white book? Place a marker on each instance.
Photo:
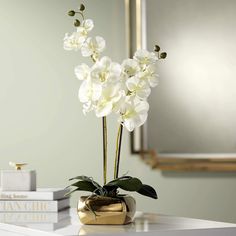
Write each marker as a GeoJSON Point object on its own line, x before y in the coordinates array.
{"type": "Point", "coordinates": [39, 194]}
{"type": "Point", "coordinates": [33, 217]}
{"type": "Point", "coordinates": [33, 206]}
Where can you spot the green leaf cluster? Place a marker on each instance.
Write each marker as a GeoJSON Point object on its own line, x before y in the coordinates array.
{"type": "Point", "coordinates": [127, 183]}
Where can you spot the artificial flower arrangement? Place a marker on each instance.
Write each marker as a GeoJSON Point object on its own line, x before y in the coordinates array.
{"type": "Point", "coordinates": [108, 87]}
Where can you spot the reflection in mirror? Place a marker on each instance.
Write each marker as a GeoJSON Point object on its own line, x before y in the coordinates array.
{"type": "Point", "coordinates": [194, 109]}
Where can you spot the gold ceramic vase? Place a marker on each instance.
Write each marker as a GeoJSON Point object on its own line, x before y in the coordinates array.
{"type": "Point", "coordinates": [101, 210]}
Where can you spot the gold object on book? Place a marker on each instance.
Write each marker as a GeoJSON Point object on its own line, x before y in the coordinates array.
{"type": "Point", "coordinates": [101, 210]}
{"type": "Point", "coordinates": [17, 166]}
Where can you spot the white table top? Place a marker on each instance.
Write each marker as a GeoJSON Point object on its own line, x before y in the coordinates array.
{"type": "Point", "coordinates": [145, 223]}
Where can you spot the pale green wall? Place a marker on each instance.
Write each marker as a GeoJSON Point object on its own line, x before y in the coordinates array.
{"type": "Point", "coordinates": [41, 121]}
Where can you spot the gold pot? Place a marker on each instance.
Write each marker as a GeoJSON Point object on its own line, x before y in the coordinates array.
{"type": "Point", "coordinates": [100, 210]}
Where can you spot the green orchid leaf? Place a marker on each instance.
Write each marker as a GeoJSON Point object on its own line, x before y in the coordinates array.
{"type": "Point", "coordinates": [121, 178]}
{"type": "Point", "coordinates": [69, 193]}
{"type": "Point", "coordinates": [148, 191]}
{"type": "Point", "coordinates": [82, 177]}
{"type": "Point", "coordinates": [128, 184]}
{"type": "Point", "coordinates": [110, 190]}
{"type": "Point", "coordinates": [111, 185]}
{"type": "Point", "coordinates": [85, 186]}
{"type": "Point", "coordinates": [88, 179]}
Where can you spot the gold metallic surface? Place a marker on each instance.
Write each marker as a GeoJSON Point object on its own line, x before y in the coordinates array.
{"type": "Point", "coordinates": [138, 24]}
{"type": "Point", "coordinates": [118, 148]}
{"type": "Point", "coordinates": [100, 210]}
{"type": "Point", "coordinates": [104, 128]}
{"type": "Point", "coordinates": [128, 27]}
{"type": "Point", "coordinates": [17, 166]}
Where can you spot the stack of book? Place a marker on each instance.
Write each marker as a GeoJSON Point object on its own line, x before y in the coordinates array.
{"type": "Point", "coordinates": [42, 209]}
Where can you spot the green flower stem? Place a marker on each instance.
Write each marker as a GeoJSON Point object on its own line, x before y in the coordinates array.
{"type": "Point", "coordinates": [118, 149]}
{"type": "Point", "coordinates": [104, 127]}
{"type": "Point", "coordinates": [78, 12]}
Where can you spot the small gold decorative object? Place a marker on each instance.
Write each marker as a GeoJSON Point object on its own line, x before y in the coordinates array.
{"type": "Point", "coordinates": [102, 210]}
{"type": "Point", "coordinates": [17, 179]}
{"type": "Point", "coordinates": [17, 166]}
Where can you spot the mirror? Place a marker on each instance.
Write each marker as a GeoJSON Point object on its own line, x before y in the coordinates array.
{"type": "Point", "coordinates": [192, 120]}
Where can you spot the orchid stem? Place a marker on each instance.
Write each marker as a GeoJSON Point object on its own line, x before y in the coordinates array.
{"type": "Point", "coordinates": [78, 12]}
{"type": "Point", "coordinates": [118, 149]}
{"type": "Point", "coordinates": [104, 127]}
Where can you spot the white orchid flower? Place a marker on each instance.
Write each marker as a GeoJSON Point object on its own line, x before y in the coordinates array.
{"type": "Point", "coordinates": [87, 107]}
{"type": "Point", "coordinates": [89, 91]}
{"type": "Point", "coordinates": [151, 75]}
{"type": "Point", "coordinates": [74, 41]}
{"type": "Point", "coordinates": [106, 71]}
{"type": "Point", "coordinates": [133, 113]}
{"type": "Point", "coordinates": [145, 57]}
{"type": "Point", "coordinates": [138, 87]}
{"type": "Point", "coordinates": [88, 25]}
{"type": "Point", "coordinates": [93, 46]}
{"type": "Point", "coordinates": [110, 100]}
{"type": "Point", "coordinates": [82, 71]}
{"type": "Point", "coordinates": [130, 67]}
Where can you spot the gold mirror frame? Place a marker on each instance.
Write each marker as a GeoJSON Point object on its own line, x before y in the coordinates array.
{"type": "Point", "coordinates": [136, 38]}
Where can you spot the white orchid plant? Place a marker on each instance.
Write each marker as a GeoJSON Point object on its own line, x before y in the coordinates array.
{"type": "Point", "coordinates": [109, 87]}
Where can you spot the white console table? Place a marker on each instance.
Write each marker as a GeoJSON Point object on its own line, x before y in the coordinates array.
{"type": "Point", "coordinates": [144, 224]}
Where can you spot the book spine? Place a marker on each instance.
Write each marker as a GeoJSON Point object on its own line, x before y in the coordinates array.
{"type": "Point", "coordinates": [29, 206]}
{"type": "Point", "coordinates": [26, 196]}
{"type": "Point", "coordinates": [33, 195]}
{"type": "Point", "coordinates": [32, 217]}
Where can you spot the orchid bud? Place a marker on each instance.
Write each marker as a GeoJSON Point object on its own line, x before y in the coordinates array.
{"type": "Point", "coordinates": [163, 55]}
{"type": "Point", "coordinates": [76, 23]}
{"type": "Point", "coordinates": [82, 7]}
{"type": "Point", "coordinates": [71, 13]}
{"type": "Point", "coordinates": [157, 48]}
